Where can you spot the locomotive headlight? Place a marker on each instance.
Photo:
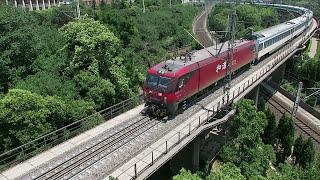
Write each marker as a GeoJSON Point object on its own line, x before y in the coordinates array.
{"type": "Point", "coordinates": [150, 91]}
{"type": "Point", "coordinates": [165, 99]}
{"type": "Point", "coordinates": [159, 94]}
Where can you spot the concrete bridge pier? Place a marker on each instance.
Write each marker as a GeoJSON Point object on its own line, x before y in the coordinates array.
{"type": "Point", "coordinates": [278, 74]}
{"type": "Point", "coordinates": [37, 5]}
{"type": "Point", "coordinates": [188, 157]}
{"type": "Point", "coordinates": [43, 5]}
{"type": "Point", "coordinates": [30, 5]}
{"type": "Point", "coordinates": [195, 154]}
{"type": "Point", "coordinates": [254, 94]}
{"type": "Point", "coordinates": [23, 4]}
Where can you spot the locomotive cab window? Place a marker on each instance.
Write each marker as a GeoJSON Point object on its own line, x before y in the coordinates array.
{"type": "Point", "coordinates": [164, 82]}
{"type": "Point", "coordinates": [153, 80]}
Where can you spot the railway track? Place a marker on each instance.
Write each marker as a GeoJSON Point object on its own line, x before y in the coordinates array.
{"type": "Point", "coordinates": [200, 28]}
{"type": "Point", "coordinates": [298, 122]}
{"type": "Point", "coordinates": [81, 161]}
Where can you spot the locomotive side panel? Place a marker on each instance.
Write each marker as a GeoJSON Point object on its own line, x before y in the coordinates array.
{"type": "Point", "coordinates": [187, 85]}
{"type": "Point", "coordinates": [213, 69]}
{"type": "Point", "coordinates": [243, 55]}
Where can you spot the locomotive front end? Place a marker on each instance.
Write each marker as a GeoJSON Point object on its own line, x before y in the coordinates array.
{"type": "Point", "coordinates": [158, 90]}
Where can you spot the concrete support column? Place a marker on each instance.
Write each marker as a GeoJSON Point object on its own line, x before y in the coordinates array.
{"type": "Point", "coordinates": [256, 94]}
{"type": "Point", "coordinates": [283, 71]}
{"type": "Point", "coordinates": [30, 5]}
{"type": "Point", "coordinates": [49, 4]}
{"type": "Point", "coordinates": [195, 153]}
{"type": "Point", "coordinates": [43, 5]}
{"type": "Point", "coordinates": [54, 3]}
{"type": "Point", "coordinates": [15, 3]}
{"type": "Point", "coordinates": [37, 5]}
{"type": "Point", "coordinates": [59, 3]}
{"type": "Point", "coordinates": [279, 73]}
{"type": "Point", "coordinates": [7, 2]}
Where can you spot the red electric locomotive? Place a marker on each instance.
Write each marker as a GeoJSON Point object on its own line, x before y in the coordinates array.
{"type": "Point", "coordinates": [171, 82]}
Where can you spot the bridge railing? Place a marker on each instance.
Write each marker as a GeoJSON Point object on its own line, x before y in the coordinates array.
{"type": "Point", "coordinates": [279, 56]}
{"type": "Point", "coordinates": [58, 136]}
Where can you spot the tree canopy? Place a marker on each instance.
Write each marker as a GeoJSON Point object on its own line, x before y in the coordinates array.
{"type": "Point", "coordinates": [285, 133]}
{"type": "Point", "coordinates": [248, 17]}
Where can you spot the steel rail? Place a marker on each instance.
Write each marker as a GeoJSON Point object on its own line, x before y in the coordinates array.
{"type": "Point", "coordinates": [299, 122]}
{"type": "Point", "coordinates": [96, 149]}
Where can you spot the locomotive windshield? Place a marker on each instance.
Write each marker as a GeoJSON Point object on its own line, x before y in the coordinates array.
{"type": "Point", "coordinates": [164, 82]}
{"type": "Point", "coordinates": [160, 81]}
{"type": "Point", "coordinates": [153, 80]}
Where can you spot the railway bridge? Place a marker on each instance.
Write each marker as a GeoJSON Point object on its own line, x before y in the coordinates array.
{"type": "Point", "coordinates": [132, 145]}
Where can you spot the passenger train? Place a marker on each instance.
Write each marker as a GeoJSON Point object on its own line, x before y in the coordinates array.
{"type": "Point", "coordinates": [174, 81]}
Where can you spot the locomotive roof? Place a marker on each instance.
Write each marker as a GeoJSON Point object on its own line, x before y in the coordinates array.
{"type": "Point", "coordinates": [174, 65]}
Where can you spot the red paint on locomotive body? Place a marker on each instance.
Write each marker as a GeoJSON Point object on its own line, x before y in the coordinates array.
{"type": "Point", "coordinates": [186, 76]}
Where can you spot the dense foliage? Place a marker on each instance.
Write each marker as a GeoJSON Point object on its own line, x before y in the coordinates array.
{"type": "Point", "coordinates": [55, 69]}
{"type": "Point", "coordinates": [246, 156]}
{"type": "Point", "coordinates": [248, 17]}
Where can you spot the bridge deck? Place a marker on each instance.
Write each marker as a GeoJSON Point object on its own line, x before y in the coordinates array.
{"type": "Point", "coordinates": [71, 144]}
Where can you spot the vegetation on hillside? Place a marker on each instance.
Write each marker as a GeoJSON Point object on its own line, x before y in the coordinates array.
{"type": "Point", "coordinates": [248, 17]}
{"type": "Point", "coordinates": [247, 155]}
{"type": "Point", "coordinates": [55, 69]}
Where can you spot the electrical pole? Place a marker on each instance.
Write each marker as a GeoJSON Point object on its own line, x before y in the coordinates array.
{"type": "Point", "coordinates": [170, 3]}
{"type": "Point", "coordinates": [296, 103]}
{"type": "Point", "coordinates": [78, 10]}
{"type": "Point", "coordinates": [229, 60]}
{"type": "Point", "coordinates": [144, 8]}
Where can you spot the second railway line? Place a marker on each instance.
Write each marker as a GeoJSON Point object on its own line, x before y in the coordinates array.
{"type": "Point", "coordinates": [299, 122]}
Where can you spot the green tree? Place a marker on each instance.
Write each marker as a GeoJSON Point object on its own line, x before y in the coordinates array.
{"type": "Point", "coordinates": [92, 47]}
{"type": "Point", "coordinates": [269, 17]}
{"type": "Point", "coordinates": [248, 14]}
{"type": "Point", "coordinates": [47, 84]}
{"type": "Point", "coordinates": [285, 133]}
{"type": "Point", "coordinates": [17, 44]}
{"type": "Point", "coordinates": [285, 172]}
{"type": "Point", "coordinates": [298, 149]}
{"type": "Point", "coordinates": [308, 155]}
{"type": "Point", "coordinates": [227, 171]}
{"type": "Point", "coordinates": [186, 175]}
{"type": "Point", "coordinates": [23, 117]}
{"type": "Point", "coordinates": [261, 106]}
{"type": "Point", "coordinates": [246, 149]}
{"type": "Point", "coordinates": [270, 132]}
{"type": "Point", "coordinates": [122, 26]}
{"type": "Point", "coordinates": [95, 89]}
